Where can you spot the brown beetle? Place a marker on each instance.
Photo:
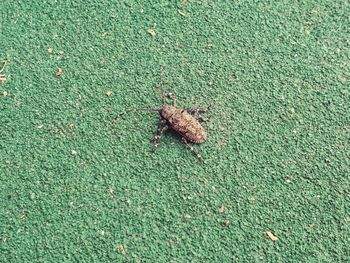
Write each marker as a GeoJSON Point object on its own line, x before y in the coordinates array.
{"type": "Point", "coordinates": [179, 120]}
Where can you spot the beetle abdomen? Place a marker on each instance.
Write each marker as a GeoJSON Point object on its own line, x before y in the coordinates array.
{"type": "Point", "coordinates": [185, 124]}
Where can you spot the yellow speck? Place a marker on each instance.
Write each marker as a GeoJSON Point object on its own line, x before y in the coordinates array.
{"type": "Point", "coordinates": [271, 236]}
{"type": "Point", "coordinates": [122, 249]}
{"type": "Point", "coordinates": [151, 32]}
{"type": "Point", "coordinates": [110, 190]}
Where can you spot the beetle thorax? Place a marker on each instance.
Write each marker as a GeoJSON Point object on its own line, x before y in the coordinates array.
{"type": "Point", "coordinates": [167, 111]}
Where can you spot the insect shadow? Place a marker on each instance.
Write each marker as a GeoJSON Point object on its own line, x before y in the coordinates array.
{"type": "Point", "coordinates": [185, 122]}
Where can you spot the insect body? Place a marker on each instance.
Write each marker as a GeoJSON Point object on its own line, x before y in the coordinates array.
{"type": "Point", "coordinates": [184, 123]}
{"type": "Point", "coordinates": [180, 120]}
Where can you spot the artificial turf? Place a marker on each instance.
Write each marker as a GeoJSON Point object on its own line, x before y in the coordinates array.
{"type": "Point", "coordinates": [80, 185]}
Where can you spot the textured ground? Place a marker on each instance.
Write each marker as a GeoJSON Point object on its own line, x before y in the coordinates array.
{"type": "Point", "coordinates": [77, 186]}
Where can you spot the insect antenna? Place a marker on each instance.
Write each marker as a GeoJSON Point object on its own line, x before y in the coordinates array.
{"type": "Point", "coordinates": [139, 109]}
{"type": "Point", "coordinates": [161, 84]}
{"type": "Point", "coordinates": [150, 109]}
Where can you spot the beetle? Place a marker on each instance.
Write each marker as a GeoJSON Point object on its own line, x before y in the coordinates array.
{"type": "Point", "coordinates": [180, 120]}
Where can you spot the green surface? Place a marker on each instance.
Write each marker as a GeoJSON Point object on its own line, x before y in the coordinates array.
{"type": "Point", "coordinates": [277, 155]}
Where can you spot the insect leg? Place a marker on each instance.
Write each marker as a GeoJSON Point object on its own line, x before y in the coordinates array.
{"type": "Point", "coordinates": [162, 127]}
{"type": "Point", "coordinates": [193, 111]}
{"type": "Point", "coordinates": [198, 112]}
{"type": "Point", "coordinates": [202, 119]}
{"type": "Point", "coordinates": [192, 149]}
